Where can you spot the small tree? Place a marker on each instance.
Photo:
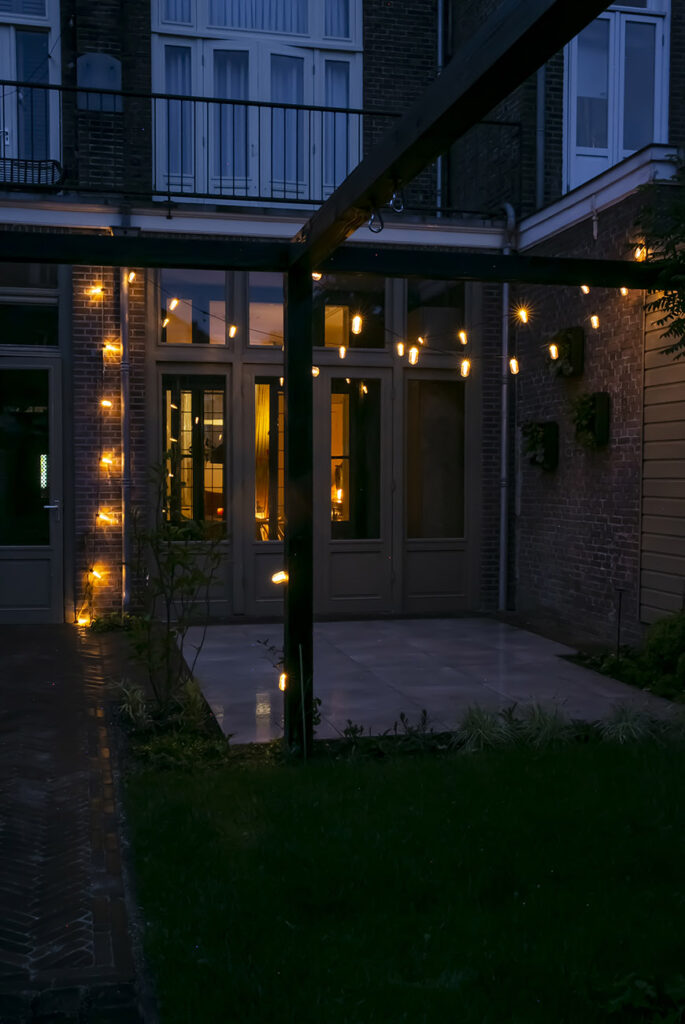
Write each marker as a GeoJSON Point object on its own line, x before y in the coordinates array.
{"type": "Point", "coordinates": [663, 224]}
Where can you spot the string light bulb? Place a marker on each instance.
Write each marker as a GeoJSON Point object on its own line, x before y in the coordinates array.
{"type": "Point", "coordinates": [364, 390]}
{"type": "Point", "coordinates": [465, 367]}
{"type": "Point", "coordinates": [514, 365]}
{"type": "Point", "coordinates": [282, 681]}
{"type": "Point", "coordinates": [421, 341]}
{"type": "Point", "coordinates": [624, 291]}
{"type": "Point", "coordinates": [342, 351]}
{"type": "Point", "coordinates": [280, 577]}
{"type": "Point", "coordinates": [316, 276]}
{"type": "Point", "coordinates": [165, 322]}
{"type": "Point", "coordinates": [95, 573]}
{"type": "Point", "coordinates": [104, 517]}
{"type": "Point", "coordinates": [413, 355]}
{"type": "Point", "coordinates": [594, 321]}
{"type": "Point", "coordinates": [585, 289]}
{"type": "Point", "coordinates": [522, 314]}
{"type": "Point", "coordinates": [131, 276]}
{"type": "Point", "coordinates": [553, 351]}
{"type": "Point", "coordinates": [280, 381]}
{"type": "Point", "coordinates": [107, 460]}
{"type": "Point", "coordinates": [106, 404]}
{"type": "Point", "coordinates": [640, 253]}
{"type": "Point", "coordinates": [232, 331]}
{"type": "Point", "coordinates": [315, 371]}
{"type": "Point", "coordinates": [97, 291]}
{"type": "Point", "coordinates": [173, 304]}
{"type": "Point", "coordinates": [400, 348]}
{"type": "Point", "coordinates": [463, 337]}
{"type": "Point", "coordinates": [109, 347]}
{"type": "Point", "coordinates": [83, 620]}
{"type": "Point", "coordinates": [357, 323]}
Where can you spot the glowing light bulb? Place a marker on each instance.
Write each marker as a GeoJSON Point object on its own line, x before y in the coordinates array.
{"type": "Point", "coordinates": [514, 365]}
{"type": "Point", "coordinates": [282, 681]}
{"type": "Point", "coordinates": [463, 337]}
{"type": "Point", "coordinates": [400, 348]}
{"type": "Point", "coordinates": [413, 355]}
{"type": "Point", "coordinates": [585, 289]}
{"type": "Point", "coordinates": [131, 276]}
{"type": "Point", "coordinates": [165, 322]}
{"type": "Point", "coordinates": [83, 620]}
{"type": "Point", "coordinates": [96, 574]}
{"type": "Point", "coordinates": [315, 371]}
{"type": "Point", "coordinates": [594, 320]}
{"type": "Point", "coordinates": [365, 390]}
{"type": "Point", "coordinates": [106, 404]}
{"type": "Point", "coordinates": [316, 276]}
{"type": "Point", "coordinates": [111, 348]}
{"type": "Point", "coordinates": [173, 304]}
{"type": "Point", "coordinates": [232, 331]}
{"type": "Point", "coordinates": [280, 577]}
{"type": "Point", "coordinates": [553, 351]}
{"type": "Point", "coordinates": [347, 380]}
{"type": "Point", "coordinates": [465, 367]}
{"type": "Point", "coordinates": [522, 314]}
{"type": "Point", "coordinates": [96, 291]}
{"type": "Point", "coordinates": [343, 351]}
{"type": "Point", "coordinates": [421, 341]}
{"type": "Point", "coordinates": [624, 292]}
{"type": "Point", "coordinates": [357, 324]}
{"type": "Point", "coordinates": [280, 381]}
{"type": "Point", "coordinates": [107, 460]}
{"type": "Point", "coordinates": [640, 253]}
{"type": "Point", "coordinates": [104, 517]}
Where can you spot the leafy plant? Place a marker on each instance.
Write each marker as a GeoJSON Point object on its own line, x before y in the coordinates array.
{"type": "Point", "coordinates": [662, 220]}
{"type": "Point", "coordinates": [134, 707]}
{"type": "Point", "coordinates": [110, 622]}
{"type": "Point", "coordinates": [583, 419]}
{"type": "Point", "coordinates": [481, 729]}
{"type": "Point", "coordinates": [570, 358]}
{"type": "Point", "coordinates": [628, 724]}
{"type": "Point", "coordinates": [541, 443]}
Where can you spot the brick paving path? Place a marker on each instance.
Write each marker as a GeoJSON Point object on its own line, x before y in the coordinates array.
{"type": "Point", "coordinates": [65, 946]}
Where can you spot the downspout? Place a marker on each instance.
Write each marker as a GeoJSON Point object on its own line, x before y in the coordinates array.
{"type": "Point", "coordinates": [540, 140]}
{"type": "Point", "coordinates": [125, 443]}
{"type": "Point", "coordinates": [504, 434]}
{"type": "Point", "coordinates": [438, 162]}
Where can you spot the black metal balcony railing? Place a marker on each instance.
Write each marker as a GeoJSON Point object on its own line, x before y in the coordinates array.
{"type": "Point", "coordinates": [179, 147]}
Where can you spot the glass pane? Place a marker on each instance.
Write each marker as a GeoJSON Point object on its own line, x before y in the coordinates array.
{"type": "Point", "coordinates": [436, 314]}
{"type": "Point", "coordinates": [179, 115]}
{"type": "Point", "coordinates": [337, 19]}
{"type": "Point", "coordinates": [337, 156]}
{"type": "Point", "coordinates": [435, 459]}
{"type": "Point", "coordinates": [177, 10]}
{"type": "Point", "coordinates": [28, 275]}
{"type": "Point", "coordinates": [266, 309]}
{"type": "Point", "coordinates": [349, 310]}
{"type": "Point", "coordinates": [269, 459]}
{"type": "Point", "coordinates": [24, 455]}
{"type": "Point", "coordinates": [638, 92]}
{"type": "Point", "coordinates": [355, 458]}
{"type": "Point", "coordinates": [25, 324]}
{"type": "Point", "coordinates": [31, 8]}
{"type": "Point", "coordinates": [230, 123]}
{"type": "Point", "coordinates": [287, 126]}
{"type": "Point", "coordinates": [213, 448]}
{"type": "Point", "coordinates": [32, 104]}
{"type": "Point", "coordinates": [593, 78]}
{"type": "Point", "coordinates": [195, 449]}
{"type": "Point", "coordinates": [193, 307]}
{"type": "Point", "coordinates": [267, 15]}
{"type": "Point", "coordinates": [633, 3]}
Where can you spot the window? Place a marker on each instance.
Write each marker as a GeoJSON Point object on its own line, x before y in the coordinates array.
{"type": "Point", "coordinates": [266, 309]}
{"type": "Point", "coordinates": [617, 89]}
{"type": "Point", "coordinates": [269, 502]}
{"type": "Point", "coordinates": [435, 313]}
{"type": "Point", "coordinates": [349, 310]}
{"type": "Point", "coordinates": [355, 458]}
{"type": "Point", "coordinates": [24, 323]}
{"type": "Point", "coordinates": [195, 447]}
{"type": "Point", "coordinates": [435, 458]}
{"type": "Point", "coordinates": [193, 307]}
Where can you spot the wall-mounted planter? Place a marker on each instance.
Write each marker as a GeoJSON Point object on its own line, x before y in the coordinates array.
{"type": "Point", "coordinates": [570, 348]}
{"type": "Point", "coordinates": [541, 444]}
{"type": "Point", "coordinates": [591, 416]}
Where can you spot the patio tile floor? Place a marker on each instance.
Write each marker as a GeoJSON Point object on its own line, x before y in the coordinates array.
{"type": "Point", "coordinates": [370, 671]}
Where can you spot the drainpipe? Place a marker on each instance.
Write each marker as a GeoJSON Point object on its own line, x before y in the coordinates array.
{"type": "Point", "coordinates": [540, 140]}
{"type": "Point", "coordinates": [504, 435]}
{"type": "Point", "coordinates": [125, 444]}
{"type": "Point", "coordinates": [438, 162]}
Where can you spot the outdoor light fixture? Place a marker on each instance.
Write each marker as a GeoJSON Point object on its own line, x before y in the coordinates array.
{"type": "Point", "coordinates": [514, 365]}
{"type": "Point", "coordinates": [232, 331]}
{"type": "Point", "coordinates": [315, 371]}
{"type": "Point", "coordinates": [465, 367]}
{"type": "Point", "coordinates": [400, 348]}
{"type": "Point", "coordinates": [107, 460]}
{"type": "Point", "coordinates": [106, 404]}
{"type": "Point", "coordinates": [96, 291]}
{"type": "Point", "coordinates": [357, 323]}
{"type": "Point", "coordinates": [173, 304]}
{"type": "Point", "coordinates": [316, 276]}
{"type": "Point", "coordinates": [594, 320]}
{"type": "Point", "coordinates": [585, 289]}
{"type": "Point", "coordinates": [104, 517]}
{"type": "Point", "coordinates": [282, 680]}
{"type": "Point", "coordinates": [343, 351]}
{"type": "Point", "coordinates": [111, 348]}
{"type": "Point", "coordinates": [522, 314]}
{"type": "Point", "coordinates": [624, 292]}
{"type": "Point", "coordinates": [131, 276]}
{"type": "Point", "coordinates": [463, 337]}
{"type": "Point", "coordinates": [413, 355]}
{"type": "Point", "coordinates": [165, 321]}
{"type": "Point", "coordinates": [553, 351]}
{"type": "Point", "coordinates": [95, 573]}
{"type": "Point", "coordinates": [280, 577]}
{"type": "Point", "coordinates": [83, 620]}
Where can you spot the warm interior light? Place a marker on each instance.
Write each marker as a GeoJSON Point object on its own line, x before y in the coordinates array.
{"type": "Point", "coordinates": [413, 355]}
{"type": "Point", "coordinates": [232, 331]}
{"type": "Point", "coordinates": [339, 494]}
{"type": "Point", "coordinates": [522, 314]}
{"type": "Point", "coordinates": [553, 351]}
{"type": "Point", "coordinates": [594, 320]}
{"type": "Point", "coordinates": [316, 276]}
{"type": "Point", "coordinates": [280, 577]}
{"type": "Point", "coordinates": [640, 253]}
{"type": "Point", "coordinates": [514, 364]}
{"type": "Point", "coordinates": [173, 304]}
{"type": "Point", "coordinates": [106, 404]}
{"type": "Point", "coordinates": [343, 351]}
{"type": "Point", "coordinates": [315, 371]}
{"type": "Point", "coordinates": [282, 680]}
{"type": "Point", "coordinates": [357, 323]}
{"type": "Point", "coordinates": [131, 276]}
{"type": "Point", "coordinates": [624, 292]}
{"type": "Point", "coordinates": [165, 321]}
{"type": "Point", "coordinates": [585, 289]}
{"type": "Point", "coordinates": [465, 367]}
{"type": "Point", "coordinates": [463, 337]}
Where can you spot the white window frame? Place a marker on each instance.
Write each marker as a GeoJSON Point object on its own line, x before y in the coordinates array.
{"type": "Point", "coordinates": [657, 13]}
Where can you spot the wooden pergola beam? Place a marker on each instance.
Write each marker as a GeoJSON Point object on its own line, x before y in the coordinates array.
{"type": "Point", "coordinates": [510, 46]}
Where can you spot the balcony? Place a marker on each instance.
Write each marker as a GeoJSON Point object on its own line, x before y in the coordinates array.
{"type": "Point", "coordinates": [70, 141]}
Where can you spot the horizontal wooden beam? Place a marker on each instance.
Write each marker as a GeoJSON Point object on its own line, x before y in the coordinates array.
{"type": "Point", "coordinates": [510, 46]}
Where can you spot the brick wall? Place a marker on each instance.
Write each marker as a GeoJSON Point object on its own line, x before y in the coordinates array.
{"type": "Point", "coordinates": [578, 527]}
{"type": "Point", "coordinates": [487, 321]}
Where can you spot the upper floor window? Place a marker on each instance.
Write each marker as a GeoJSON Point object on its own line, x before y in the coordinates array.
{"type": "Point", "coordinates": [330, 20]}
{"type": "Point", "coordinates": [616, 89]}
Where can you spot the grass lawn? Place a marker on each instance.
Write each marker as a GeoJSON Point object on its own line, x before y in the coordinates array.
{"type": "Point", "coordinates": [508, 886]}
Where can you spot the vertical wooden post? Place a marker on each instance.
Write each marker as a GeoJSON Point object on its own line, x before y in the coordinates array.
{"type": "Point", "coordinates": [299, 604]}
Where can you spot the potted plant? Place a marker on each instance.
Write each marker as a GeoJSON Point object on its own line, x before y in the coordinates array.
{"type": "Point", "coordinates": [590, 417]}
{"type": "Point", "coordinates": [566, 352]}
{"type": "Point", "coordinates": [541, 443]}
